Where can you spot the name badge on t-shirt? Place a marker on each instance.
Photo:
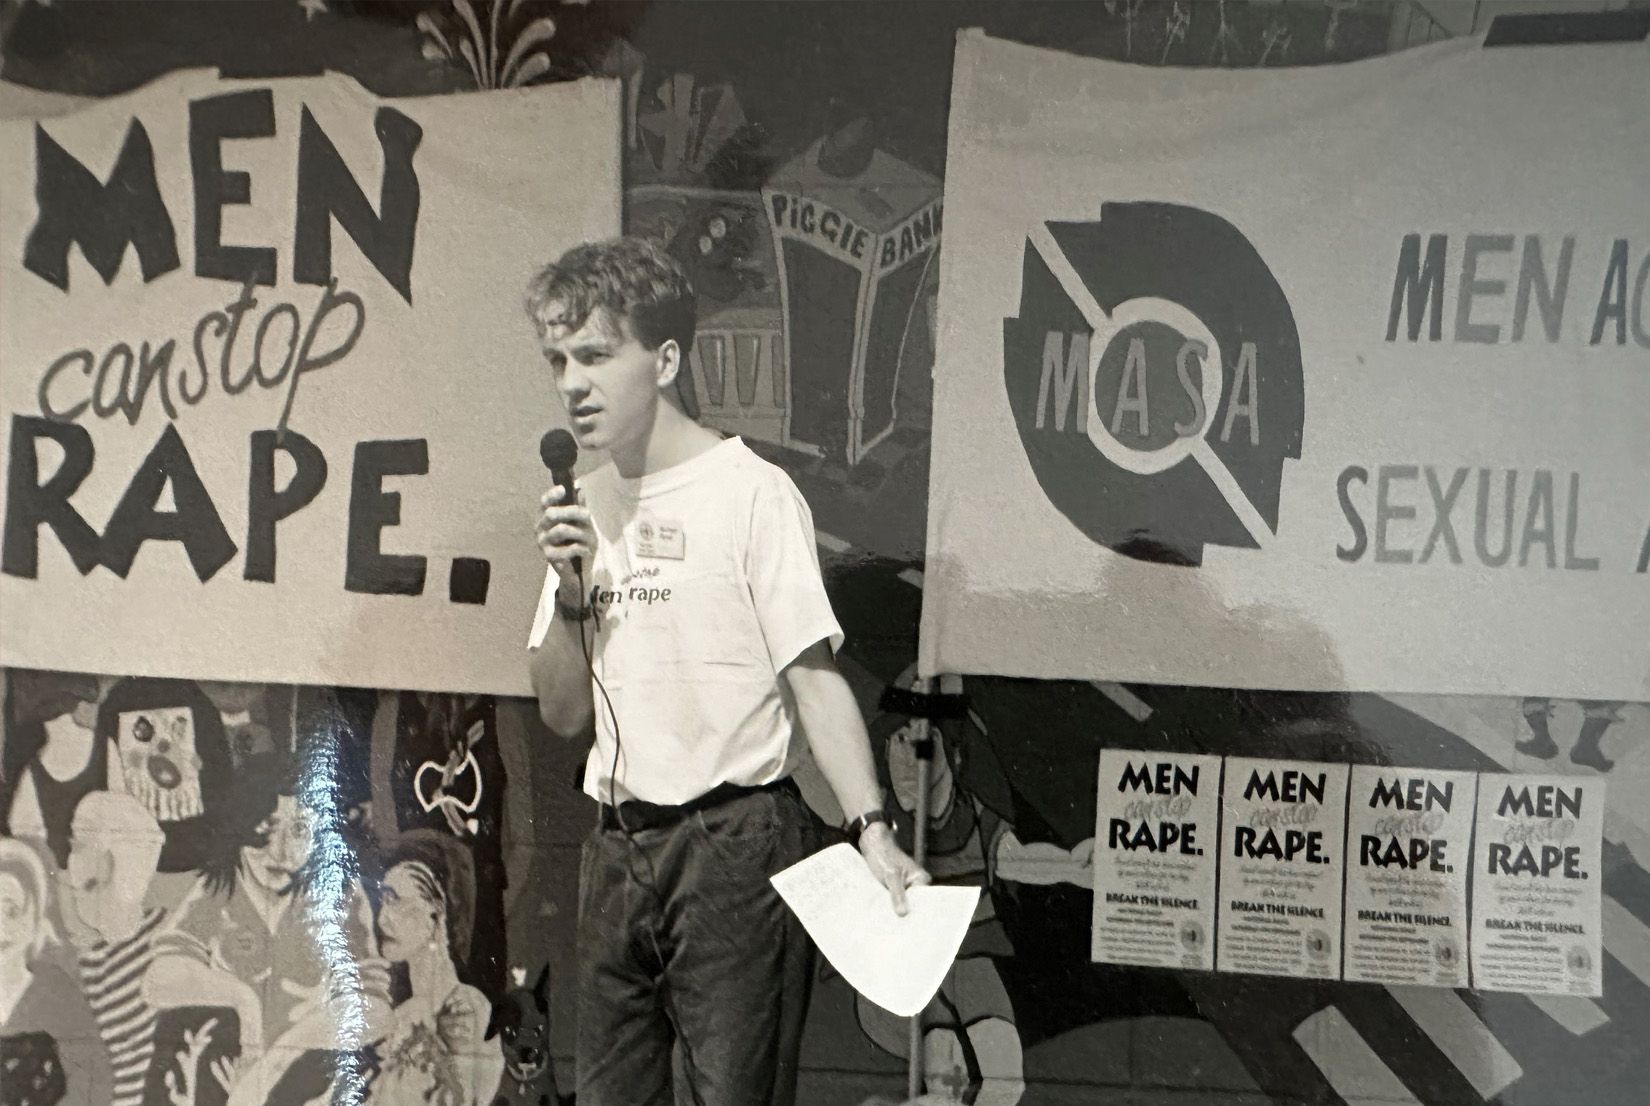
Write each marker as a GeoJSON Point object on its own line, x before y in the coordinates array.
{"type": "Point", "coordinates": [660, 538]}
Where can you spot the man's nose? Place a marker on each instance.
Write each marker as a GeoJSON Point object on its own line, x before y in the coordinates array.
{"type": "Point", "coordinates": [575, 385]}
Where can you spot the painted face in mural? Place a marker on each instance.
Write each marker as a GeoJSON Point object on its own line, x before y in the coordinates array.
{"type": "Point", "coordinates": [409, 915]}
{"type": "Point", "coordinates": [610, 382]}
{"type": "Point", "coordinates": [17, 924]}
{"type": "Point", "coordinates": [90, 868]}
{"type": "Point", "coordinates": [159, 762]}
{"type": "Point", "coordinates": [289, 836]}
{"type": "Point", "coordinates": [902, 771]}
{"type": "Point", "coordinates": [114, 850]}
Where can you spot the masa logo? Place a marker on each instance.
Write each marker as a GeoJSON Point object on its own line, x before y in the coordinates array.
{"type": "Point", "coordinates": [1154, 372]}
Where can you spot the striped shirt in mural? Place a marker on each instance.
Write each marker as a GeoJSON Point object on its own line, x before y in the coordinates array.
{"type": "Point", "coordinates": [112, 973]}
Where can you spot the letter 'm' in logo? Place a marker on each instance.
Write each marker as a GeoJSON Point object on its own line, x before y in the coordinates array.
{"type": "Point", "coordinates": [1154, 372]}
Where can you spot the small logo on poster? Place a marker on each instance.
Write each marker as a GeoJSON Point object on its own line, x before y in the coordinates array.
{"type": "Point", "coordinates": [1579, 961]}
{"type": "Point", "coordinates": [1446, 953]}
{"type": "Point", "coordinates": [1154, 373]}
{"type": "Point", "coordinates": [1191, 936]}
{"type": "Point", "coordinates": [1317, 944]}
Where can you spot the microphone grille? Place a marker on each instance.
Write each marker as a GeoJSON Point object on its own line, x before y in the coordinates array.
{"type": "Point", "coordinates": [558, 450]}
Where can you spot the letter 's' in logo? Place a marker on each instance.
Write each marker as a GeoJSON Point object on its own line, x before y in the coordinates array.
{"type": "Point", "coordinates": [1154, 372]}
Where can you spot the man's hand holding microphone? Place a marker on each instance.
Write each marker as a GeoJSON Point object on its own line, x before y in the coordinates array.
{"type": "Point", "coordinates": [565, 531]}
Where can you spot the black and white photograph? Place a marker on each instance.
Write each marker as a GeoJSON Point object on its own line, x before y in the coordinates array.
{"type": "Point", "coordinates": [824, 552]}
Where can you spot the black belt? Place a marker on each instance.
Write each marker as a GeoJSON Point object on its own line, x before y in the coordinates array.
{"type": "Point", "coordinates": [636, 814]}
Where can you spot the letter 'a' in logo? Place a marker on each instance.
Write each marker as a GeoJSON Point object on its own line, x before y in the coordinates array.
{"type": "Point", "coordinates": [1154, 372]}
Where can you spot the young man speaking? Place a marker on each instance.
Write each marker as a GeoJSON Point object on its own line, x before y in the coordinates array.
{"type": "Point", "coordinates": [684, 618]}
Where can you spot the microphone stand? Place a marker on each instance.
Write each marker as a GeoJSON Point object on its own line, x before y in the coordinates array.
{"type": "Point", "coordinates": [923, 747]}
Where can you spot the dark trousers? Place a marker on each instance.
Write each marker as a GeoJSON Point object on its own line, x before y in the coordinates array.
{"type": "Point", "coordinates": [681, 938]}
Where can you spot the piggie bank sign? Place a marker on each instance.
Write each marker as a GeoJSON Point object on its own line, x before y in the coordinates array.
{"type": "Point", "coordinates": [270, 401]}
{"type": "Point", "coordinates": [1320, 378]}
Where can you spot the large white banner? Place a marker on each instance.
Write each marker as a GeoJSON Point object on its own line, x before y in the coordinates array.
{"type": "Point", "coordinates": [270, 402]}
{"type": "Point", "coordinates": [1332, 377]}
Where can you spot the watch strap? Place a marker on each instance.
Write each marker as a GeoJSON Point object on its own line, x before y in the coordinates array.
{"type": "Point", "coordinates": [865, 821]}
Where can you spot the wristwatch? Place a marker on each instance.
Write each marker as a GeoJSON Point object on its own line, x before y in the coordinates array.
{"type": "Point", "coordinates": [865, 821]}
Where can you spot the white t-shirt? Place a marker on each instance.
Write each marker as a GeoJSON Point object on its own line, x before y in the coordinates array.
{"type": "Point", "coordinates": [706, 582]}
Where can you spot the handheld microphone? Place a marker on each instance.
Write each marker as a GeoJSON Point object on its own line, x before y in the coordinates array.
{"type": "Point", "coordinates": [559, 452]}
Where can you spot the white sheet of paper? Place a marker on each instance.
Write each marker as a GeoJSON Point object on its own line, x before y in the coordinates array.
{"type": "Point", "coordinates": [898, 963]}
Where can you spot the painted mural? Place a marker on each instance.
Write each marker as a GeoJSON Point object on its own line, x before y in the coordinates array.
{"type": "Point", "coordinates": [246, 893]}
{"type": "Point", "coordinates": [224, 894]}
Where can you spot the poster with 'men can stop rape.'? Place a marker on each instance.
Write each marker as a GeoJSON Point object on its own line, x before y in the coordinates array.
{"type": "Point", "coordinates": [1536, 897]}
{"type": "Point", "coordinates": [1282, 838]}
{"type": "Point", "coordinates": [1409, 840]}
{"type": "Point", "coordinates": [1155, 845]}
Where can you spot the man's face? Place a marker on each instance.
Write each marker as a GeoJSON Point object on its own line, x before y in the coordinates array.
{"type": "Point", "coordinates": [608, 380]}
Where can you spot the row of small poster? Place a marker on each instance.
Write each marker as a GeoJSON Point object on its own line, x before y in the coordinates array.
{"type": "Point", "coordinates": [1360, 872]}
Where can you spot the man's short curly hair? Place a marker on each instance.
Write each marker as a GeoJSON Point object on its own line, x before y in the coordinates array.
{"type": "Point", "coordinates": [629, 278]}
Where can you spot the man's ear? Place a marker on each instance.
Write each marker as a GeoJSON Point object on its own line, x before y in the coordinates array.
{"type": "Point", "coordinates": [669, 364]}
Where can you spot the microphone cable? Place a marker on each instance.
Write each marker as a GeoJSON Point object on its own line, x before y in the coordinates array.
{"type": "Point", "coordinates": [652, 883]}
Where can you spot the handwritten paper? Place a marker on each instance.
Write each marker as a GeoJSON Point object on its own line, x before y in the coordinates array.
{"type": "Point", "coordinates": [898, 963]}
